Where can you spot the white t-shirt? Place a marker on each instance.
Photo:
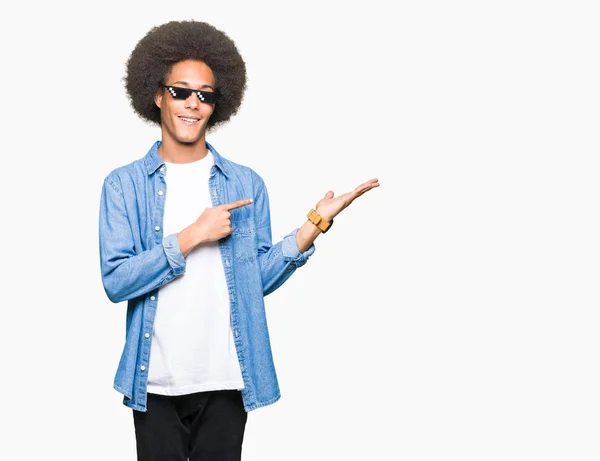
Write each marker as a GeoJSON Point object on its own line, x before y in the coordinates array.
{"type": "Point", "coordinates": [192, 342]}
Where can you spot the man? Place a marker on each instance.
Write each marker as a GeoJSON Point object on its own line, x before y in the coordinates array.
{"type": "Point", "coordinates": [185, 238]}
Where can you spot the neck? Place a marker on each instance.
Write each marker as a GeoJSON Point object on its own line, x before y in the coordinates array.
{"type": "Point", "coordinates": [176, 152]}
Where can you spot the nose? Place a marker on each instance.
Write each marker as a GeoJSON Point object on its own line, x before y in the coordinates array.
{"type": "Point", "coordinates": [193, 101]}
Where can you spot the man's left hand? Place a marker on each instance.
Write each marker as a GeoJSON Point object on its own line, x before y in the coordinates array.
{"type": "Point", "coordinates": [330, 206]}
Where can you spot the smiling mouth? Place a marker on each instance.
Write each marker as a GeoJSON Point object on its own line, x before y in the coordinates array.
{"type": "Point", "coordinates": [188, 120]}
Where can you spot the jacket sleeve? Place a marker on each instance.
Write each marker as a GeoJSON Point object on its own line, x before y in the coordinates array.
{"type": "Point", "coordinates": [127, 272]}
{"type": "Point", "coordinates": [279, 261]}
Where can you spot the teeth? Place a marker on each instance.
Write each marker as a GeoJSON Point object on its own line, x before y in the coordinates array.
{"type": "Point", "coordinates": [189, 120]}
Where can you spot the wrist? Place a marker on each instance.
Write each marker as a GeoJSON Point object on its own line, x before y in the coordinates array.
{"type": "Point", "coordinates": [197, 233]}
{"type": "Point", "coordinates": [189, 238]}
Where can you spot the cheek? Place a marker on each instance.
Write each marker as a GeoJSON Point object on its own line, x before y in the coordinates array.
{"type": "Point", "coordinates": [169, 110]}
{"type": "Point", "coordinates": [209, 110]}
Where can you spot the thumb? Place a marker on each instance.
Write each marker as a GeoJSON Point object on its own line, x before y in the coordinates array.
{"type": "Point", "coordinates": [329, 194]}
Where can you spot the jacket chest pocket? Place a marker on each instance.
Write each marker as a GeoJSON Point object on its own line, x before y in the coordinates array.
{"type": "Point", "coordinates": [244, 239]}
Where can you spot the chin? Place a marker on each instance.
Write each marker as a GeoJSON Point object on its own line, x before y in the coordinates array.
{"type": "Point", "coordinates": [189, 139]}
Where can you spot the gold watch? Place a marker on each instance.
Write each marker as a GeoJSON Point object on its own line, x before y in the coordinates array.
{"type": "Point", "coordinates": [318, 221]}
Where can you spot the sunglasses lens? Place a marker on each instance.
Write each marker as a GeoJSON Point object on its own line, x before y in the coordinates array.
{"type": "Point", "coordinates": [179, 93]}
{"type": "Point", "coordinates": [208, 97]}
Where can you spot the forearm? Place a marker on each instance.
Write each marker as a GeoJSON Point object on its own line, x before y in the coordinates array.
{"type": "Point", "coordinates": [306, 235]}
{"type": "Point", "coordinates": [127, 276]}
{"type": "Point", "coordinates": [127, 272]}
{"type": "Point", "coordinates": [280, 261]}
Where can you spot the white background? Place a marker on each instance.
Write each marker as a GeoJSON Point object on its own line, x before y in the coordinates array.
{"type": "Point", "coordinates": [450, 314]}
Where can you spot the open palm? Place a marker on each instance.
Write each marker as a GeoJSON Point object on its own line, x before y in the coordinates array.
{"type": "Point", "coordinates": [330, 206]}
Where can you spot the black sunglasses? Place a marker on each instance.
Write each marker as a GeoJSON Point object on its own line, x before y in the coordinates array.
{"type": "Point", "coordinates": [177, 92]}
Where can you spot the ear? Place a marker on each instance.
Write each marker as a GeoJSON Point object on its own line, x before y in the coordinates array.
{"type": "Point", "coordinates": [158, 97]}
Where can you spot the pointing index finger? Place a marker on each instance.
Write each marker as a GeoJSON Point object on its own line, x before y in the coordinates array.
{"type": "Point", "coordinates": [237, 204]}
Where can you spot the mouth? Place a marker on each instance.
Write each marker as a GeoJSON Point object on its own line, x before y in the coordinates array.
{"type": "Point", "coordinates": [189, 121]}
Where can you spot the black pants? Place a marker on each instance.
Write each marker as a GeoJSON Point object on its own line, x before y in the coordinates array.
{"type": "Point", "coordinates": [205, 426]}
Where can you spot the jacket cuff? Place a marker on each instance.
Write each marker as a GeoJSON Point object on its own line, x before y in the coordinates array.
{"type": "Point", "coordinates": [291, 252]}
{"type": "Point", "coordinates": [173, 252]}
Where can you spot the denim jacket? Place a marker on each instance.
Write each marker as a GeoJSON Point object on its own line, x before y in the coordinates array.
{"type": "Point", "coordinates": [136, 259]}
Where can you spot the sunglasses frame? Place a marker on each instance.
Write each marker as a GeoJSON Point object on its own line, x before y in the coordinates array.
{"type": "Point", "coordinates": [178, 92]}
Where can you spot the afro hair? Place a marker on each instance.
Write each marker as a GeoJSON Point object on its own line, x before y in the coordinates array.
{"type": "Point", "coordinates": [163, 46]}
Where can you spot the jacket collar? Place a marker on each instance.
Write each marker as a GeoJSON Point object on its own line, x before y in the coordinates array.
{"type": "Point", "coordinates": [154, 161]}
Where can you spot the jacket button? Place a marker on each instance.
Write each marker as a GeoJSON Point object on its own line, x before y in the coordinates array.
{"type": "Point", "coordinates": [142, 368]}
{"type": "Point", "coordinates": [157, 228]}
{"type": "Point", "coordinates": [152, 298]}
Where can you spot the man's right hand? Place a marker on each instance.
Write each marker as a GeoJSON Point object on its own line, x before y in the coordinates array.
{"type": "Point", "coordinates": [215, 223]}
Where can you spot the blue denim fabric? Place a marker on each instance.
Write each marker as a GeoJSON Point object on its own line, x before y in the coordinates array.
{"type": "Point", "coordinates": [136, 259]}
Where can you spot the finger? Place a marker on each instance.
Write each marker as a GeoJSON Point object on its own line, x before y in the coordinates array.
{"type": "Point", "coordinates": [368, 183]}
{"type": "Point", "coordinates": [360, 191]}
{"type": "Point", "coordinates": [370, 186]}
{"type": "Point", "coordinates": [237, 204]}
{"type": "Point", "coordinates": [329, 194]}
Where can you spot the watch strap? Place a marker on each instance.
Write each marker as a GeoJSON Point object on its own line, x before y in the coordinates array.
{"type": "Point", "coordinates": [318, 220]}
